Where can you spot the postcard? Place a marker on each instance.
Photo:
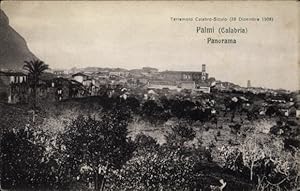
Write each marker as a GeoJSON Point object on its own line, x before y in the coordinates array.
{"type": "Point", "coordinates": [150, 95]}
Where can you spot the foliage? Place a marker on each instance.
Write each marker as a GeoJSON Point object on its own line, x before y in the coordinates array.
{"type": "Point", "coordinates": [265, 160]}
{"type": "Point", "coordinates": [24, 160]}
{"type": "Point", "coordinates": [169, 168]}
{"type": "Point", "coordinates": [165, 168]}
{"type": "Point", "coordinates": [35, 69]}
{"type": "Point", "coordinates": [95, 143]}
{"type": "Point", "coordinates": [180, 133]}
{"type": "Point", "coordinates": [154, 113]}
{"type": "Point", "coordinates": [143, 141]}
{"type": "Point", "coordinates": [63, 150]}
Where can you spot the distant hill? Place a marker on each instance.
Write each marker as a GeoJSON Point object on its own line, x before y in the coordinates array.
{"type": "Point", "coordinates": [13, 47]}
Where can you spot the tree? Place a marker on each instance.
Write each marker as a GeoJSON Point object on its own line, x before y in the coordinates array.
{"type": "Point", "coordinates": [35, 69]}
{"type": "Point", "coordinates": [267, 159]}
{"type": "Point", "coordinates": [145, 142]}
{"type": "Point", "coordinates": [154, 113]}
{"type": "Point", "coordinates": [180, 133]}
{"type": "Point", "coordinates": [97, 145]}
{"type": "Point", "coordinates": [235, 129]}
{"type": "Point", "coordinates": [24, 160]}
{"type": "Point", "coordinates": [169, 168]}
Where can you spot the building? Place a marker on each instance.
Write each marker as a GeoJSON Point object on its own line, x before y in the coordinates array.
{"type": "Point", "coordinates": [89, 82]}
{"type": "Point", "coordinates": [57, 89]}
{"type": "Point", "coordinates": [182, 80]}
{"type": "Point", "coordinates": [59, 72]}
{"type": "Point", "coordinates": [248, 84]}
{"type": "Point", "coordinates": [185, 75]}
{"type": "Point", "coordinates": [13, 87]}
{"type": "Point", "coordinates": [101, 75]}
{"type": "Point", "coordinates": [204, 89]}
{"type": "Point", "coordinates": [298, 113]}
{"type": "Point", "coordinates": [189, 85]}
{"type": "Point", "coordinates": [160, 84]}
{"type": "Point", "coordinates": [119, 73]}
{"type": "Point", "coordinates": [85, 80]}
{"type": "Point", "coordinates": [178, 86]}
{"type": "Point", "coordinates": [79, 77]}
{"type": "Point", "coordinates": [297, 103]}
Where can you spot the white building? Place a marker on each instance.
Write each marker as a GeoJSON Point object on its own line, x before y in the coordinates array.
{"type": "Point", "coordinates": [79, 77]}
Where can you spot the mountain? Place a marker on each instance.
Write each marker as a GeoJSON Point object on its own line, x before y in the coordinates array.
{"type": "Point", "coordinates": [13, 48]}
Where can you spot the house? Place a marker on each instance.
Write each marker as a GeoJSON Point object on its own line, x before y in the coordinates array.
{"type": "Point", "coordinates": [59, 72]}
{"type": "Point", "coordinates": [162, 84]}
{"type": "Point", "coordinates": [79, 77]}
{"type": "Point", "coordinates": [102, 75]}
{"type": "Point", "coordinates": [189, 85]}
{"type": "Point", "coordinates": [85, 80]}
{"type": "Point", "coordinates": [101, 81]}
{"type": "Point", "coordinates": [203, 87]}
{"type": "Point", "coordinates": [298, 113]}
{"type": "Point", "coordinates": [151, 95]}
{"type": "Point", "coordinates": [58, 89]}
{"type": "Point", "coordinates": [13, 87]}
{"type": "Point", "coordinates": [119, 73]}
{"type": "Point", "coordinates": [288, 109]}
{"type": "Point", "coordinates": [88, 82]}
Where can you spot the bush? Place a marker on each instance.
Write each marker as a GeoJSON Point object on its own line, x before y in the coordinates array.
{"type": "Point", "coordinates": [94, 144]}
{"type": "Point", "coordinates": [25, 163]}
{"type": "Point", "coordinates": [143, 141]}
{"type": "Point", "coordinates": [180, 133]}
{"type": "Point", "coordinates": [167, 168]}
{"type": "Point", "coordinates": [154, 113]}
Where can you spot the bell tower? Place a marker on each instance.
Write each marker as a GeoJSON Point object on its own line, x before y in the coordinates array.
{"type": "Point", "coordinates": [204, 75]}
{"type": "Point", "coordinates": [203, 68]}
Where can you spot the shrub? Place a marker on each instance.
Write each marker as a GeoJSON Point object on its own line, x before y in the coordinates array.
{"type": "Point", "coordinates": [180, 133]}
{"type": "Point", "coordinates": [96, 144]}
{"type": "Point", "coordinates": [25, 163]}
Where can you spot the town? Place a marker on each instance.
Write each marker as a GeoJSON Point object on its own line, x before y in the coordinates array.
{"type": "Point", "coordinates": [58, 85]}
{"type": "Point", "coordinates": [106, 98]}
{"type": "Point", "coordinates": [156, 106]}
{"type": "Point", "coordinates": [91, 82]}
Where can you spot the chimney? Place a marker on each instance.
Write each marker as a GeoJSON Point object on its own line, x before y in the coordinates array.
{"type": "Point", "coordinates": [203, 68]}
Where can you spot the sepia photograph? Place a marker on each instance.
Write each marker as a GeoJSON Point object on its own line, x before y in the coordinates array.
{"type": "Point", "coordinates": [149, 95]}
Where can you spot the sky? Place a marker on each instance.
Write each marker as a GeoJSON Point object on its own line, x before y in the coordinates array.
{"type": "Point", "coordinates": [134, 34]}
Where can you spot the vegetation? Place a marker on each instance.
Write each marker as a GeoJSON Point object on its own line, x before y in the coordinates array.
{"type": "Point", "coordinates": [35, 69]}
{"type": "Point", "coordinates": [90, 143]}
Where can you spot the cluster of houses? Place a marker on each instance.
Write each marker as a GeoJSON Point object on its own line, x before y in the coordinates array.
{"type": "Point", "coordinates": [182, 80]}
{"type": "Point", "coordinates": [16, 88]}
{"type": "Point", "coordinates": [13, 87]}
{"type": "Point", "coordinates": [60, 85]}
{"type": "Point", "coordinates": [147, 77]}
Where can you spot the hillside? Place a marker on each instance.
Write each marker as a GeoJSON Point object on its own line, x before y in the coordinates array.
{"type": "Point", "coordinates": [14, 49]}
